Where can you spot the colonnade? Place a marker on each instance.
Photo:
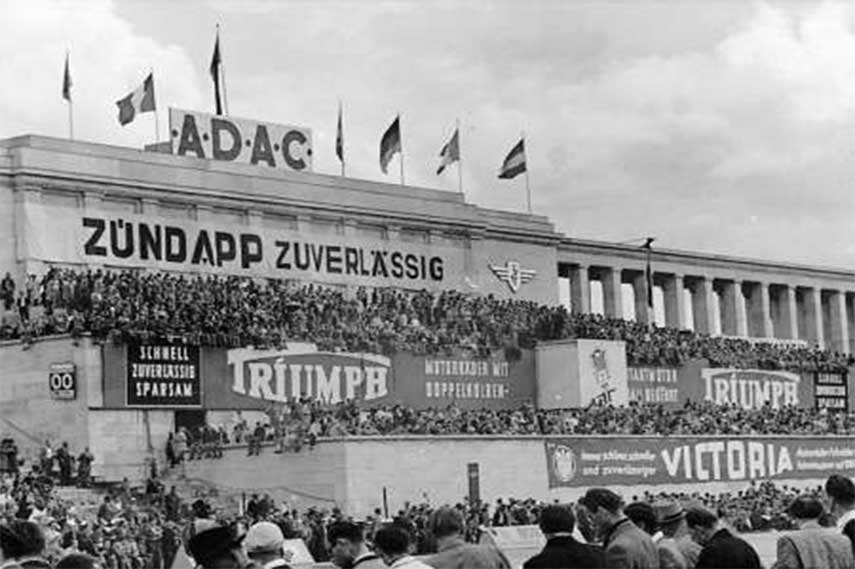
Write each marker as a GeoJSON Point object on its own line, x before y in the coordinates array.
{"type": "Point", "coordinates": [746, 308]}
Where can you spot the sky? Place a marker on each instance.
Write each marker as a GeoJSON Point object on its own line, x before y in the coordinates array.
{"type": "Point", "coordinates": [724, 127]}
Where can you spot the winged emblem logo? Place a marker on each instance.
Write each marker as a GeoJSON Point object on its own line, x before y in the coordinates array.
{"type": "Point", "coordinates": [563, 463]}
{"type": "Point", "coordinates": [513, 275]}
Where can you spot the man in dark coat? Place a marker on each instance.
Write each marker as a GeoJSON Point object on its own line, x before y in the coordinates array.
{"type": "Point", "coordinates": [627, 546]}
{"type": "Point", "coordinates": [562, 551]}
{"type": "Point", "coordinates": [721, 548]}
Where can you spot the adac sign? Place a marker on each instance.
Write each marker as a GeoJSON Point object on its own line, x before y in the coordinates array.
{"type": "Point", "coordinates": [285, 375]}
{"type": "Point", "coordinates": [230, 139]}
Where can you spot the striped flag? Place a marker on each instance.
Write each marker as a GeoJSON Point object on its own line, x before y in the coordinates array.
{"type": "Point", "coordinates": [390, 144]}
{"type": "Point", "coordinates": [648, 272]}
{"type": "Point", "coordinates": [141, 100]}
{"type": "Point", "coordinates": [216, 62]}
{"type": "Point", "coordinates": [514, 164]}
{"type": "Point", "coordinates": [339, 137]}
{"type": "Point", "coordinates": [450, 153]}
{"type": "Point", "coordinates": [66, 81]}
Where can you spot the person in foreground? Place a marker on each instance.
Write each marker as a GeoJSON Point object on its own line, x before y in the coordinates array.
{"type": "Point", "coordinates": [264, 544]}
{"type": "Point", "coordinates": [721, 549]}
{"type": "Point", "coordinates": [677, 549]}
{"type": "Point", "coordinates": [219, 548]}
{"type": "Point", "coordinates": [22, 545]}
{"type": "Point", "coordinates": [627, 547]}
{"type": "Point", "coordinates": [562, 550]}
{"type": "Point", "coordinates": [812, 545]}
{"type": "Point", "coordinates": [348, 549]}
{"type": "Point", "coordinates": [392, 544]}
{"type": "Point", "coordinates": [446, 525]}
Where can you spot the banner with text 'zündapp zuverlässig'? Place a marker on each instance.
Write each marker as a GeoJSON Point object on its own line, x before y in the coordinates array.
{"type": "Point", "coordinates": [162, 375]}
{"type": "Point", "coordinates": [602, 461]}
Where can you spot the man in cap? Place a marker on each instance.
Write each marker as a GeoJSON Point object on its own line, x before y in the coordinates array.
{"type": "Point", "coordinates": [720, 547]}
{"type": "Point", "coordinates": [812, 545]}
{"type": "Point", "coordinates": [447, 526]}
{"type": "Point", "coordinates": [562, 550]}
{"type": "Point", "coordinates": [841, 492]}
{"type": "Point", "coordinates": [264, 544]}
{"type": "Point", "coordinates": [676, 549]}
{"type": "Point", "coordinates": [348, 549]}
{"type": "Point", "coordinates": [626, 545]}
{"type": "Point", "coordinates": [392, 543]}
{"type": "Point", "coordinates": [218, 548]}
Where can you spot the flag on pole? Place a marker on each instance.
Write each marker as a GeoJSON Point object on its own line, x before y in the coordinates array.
{"type": "Point", "coordinates": [390, 143]}
{"type": "Point", "coordinates": [66, 81]}
{"type": "Point", "coordinates": [648, 273]}
{"type": "Point", "coordinates": [450, 153]}
{"type": "Point", "coordinates": [514, 163]}
{"type": "Point", "coordinates": [339, 137]}
{"type": "Point", "coordinates": [141, 100]}
{"type": "Point", "coordinates": [216, 62]}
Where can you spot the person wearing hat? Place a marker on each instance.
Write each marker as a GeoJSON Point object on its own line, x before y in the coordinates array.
{"type": "Point", "coordinates": [562, 550]}
{"type": "Point", "coordinates": [447, 526]}
{"type": "Point", "coordinates": [218, 547]}
{"type": "Point", "coordinates": [626, 545]}
{"type": "Point", "coordinates": [392, 543]}
{"type": "Point", "coordinates": [676, 549]}
{"type": "Point", "coordinates": [812, 545]}
{"type": "Point", "coordinates": [348, 549]}
{"type": "Point", "coordinates": [720, 547]}
{"type": "Point", "coordinates": [264, 544]}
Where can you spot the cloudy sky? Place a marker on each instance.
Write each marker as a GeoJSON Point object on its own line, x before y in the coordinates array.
{"type": "Point", "coordinates": [719, 126]}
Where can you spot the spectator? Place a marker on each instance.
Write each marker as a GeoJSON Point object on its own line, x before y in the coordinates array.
{"type": "Point", "coordinates": [264, 544]}
{"type": "Point", "coordinates": [447, 527]}
{"type": "Point", "coordinates": [841, 493]}
{"type": "Point", "coordinates": [625, 544]}
{"type": "Point", "coordinates": [562, 550]}
{"type": "Point", "coordinates": [84, 468]}
{"type": "Point", "coordinates": [348, 549]}
{"type": "Point", "coordinates": [24, 543]}
{"type": "Point", "coordinates": [720, 547]}
{"type": "Point", "coordinates": [78, 561]}
{"type": "Point", "coordinates": [392, 543]}
{"type": "Point", "coordinates": [677, 549]}
{"type": "Point", "coordinates": [812, 545]}
{"type": "Point", "coordinates": [218, 548]}
{"type": "Point", "coordinates": [643, 516]}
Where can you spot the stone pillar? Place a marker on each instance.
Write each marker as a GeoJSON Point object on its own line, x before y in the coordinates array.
{"type": "Point", "coordinates": [675, 309]}
{"type": "Point", "coordinates": [612, 298]}
{"type": "Point", "coordinates": [839, 339]}
{"type": "Point", "coordinates": [790, 313]}
{"type": "Point", "coordinates": [762, 311]}
{"type": "Point", "coordinates": [813, 311]}
{"type": "Point", "coordinates": [741, 311]}
{"type": "Point", "coordinates": [729, 309]}
{"type": "Point", "coordinates": [580, 289]}
{"type": "Point", "coordinates": [702, 306]}
{"type": "Point", "coordinates": [643, 313]}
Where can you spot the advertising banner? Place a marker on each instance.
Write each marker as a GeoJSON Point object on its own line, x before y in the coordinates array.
{"type": "Point", "coordinates": [832, 391]}
{"type": "Point", "coordinates": [579, 373]}
{"type": "Point", "coordinates": [217, 137]}
{"type": "Point", "coordinates": [246, 378]}
{"type": "Point", "coordinates": [62, 381]}
{"type": "Point", "coordinates": [162, 375]}
{"type": "Point", "coordinates": [747, 388]}
{"type": "Point", "coordinates": [602, 461]}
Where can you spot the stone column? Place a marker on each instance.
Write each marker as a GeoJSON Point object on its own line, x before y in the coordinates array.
{"type": "Point", "coordinates": [729, 309]}
{"type": "Point", "coordinates": [580, 289]}
{"type": "Point", "coordinates": [675, 309]}
{"type": "Point", "coordinates": [639, 287]}
{"type": "Point", "coordinates": [741, 312]}
{"type": "Point", "coordinates": [839, 340]}
{"type": "Point", "coordinates": [813, 311]}
{"type": "Point", "coordinates": [790, 313]}
{"type": "Point", "coordinates": [612, 298]}
{"type": "Point", "coordinates": [702, 305]}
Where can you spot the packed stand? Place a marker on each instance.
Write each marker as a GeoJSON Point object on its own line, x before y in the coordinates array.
{"type": "Point", "coordinates": [238, 311]}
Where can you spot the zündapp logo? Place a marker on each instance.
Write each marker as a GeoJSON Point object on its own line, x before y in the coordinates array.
{"type": "Point", "coordinates": [287, 375]}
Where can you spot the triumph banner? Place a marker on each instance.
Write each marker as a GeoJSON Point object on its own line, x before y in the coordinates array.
{"type": "Point", "coordinates": [603, 461]}
{"type": "Point", "coordinates": [246, 378]}
{"type": "Point", "coordinates": [162, 375]}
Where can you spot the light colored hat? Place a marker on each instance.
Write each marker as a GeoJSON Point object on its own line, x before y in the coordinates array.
{"type": "Point", "coordinates": [264, 536]}
{"type": "Point", "coordinates": [668, 511]}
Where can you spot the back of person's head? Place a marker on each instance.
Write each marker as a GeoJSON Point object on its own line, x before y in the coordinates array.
{"type": "Point", "coordinates": [601, 498]}
{"type": "Point", "coordinates": [20, 538]}
{"type": "Point", "coordinates": [699, 516]}
{"type": "Point", "coordinates": [840, 489]}
{"type": "Point", "coordinates": [642, 515]}
{"type": "Point", "coordinates": [446, 522]}
{"type": "Point", "coordinates": [557, 519]}
{"type": "Point", "coordinates": [350, 531]}
{"type": "Point", "coordinates": [805, 508]}
{"type": "Point", "coordinates": [77, 561]}
{"type": "Point", "coordinates": [392, 540]}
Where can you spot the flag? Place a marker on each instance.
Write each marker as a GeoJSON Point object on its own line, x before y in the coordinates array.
{"type": "Point", "coordinates": [66, 82]}
{"type": "Point", "coordinates": [339, 138]}
{"type": "Point", "coordinates": [390, 143]}
{"type": "Point", "coordinates": [648, 272]}
{"type": "Point", "coordinates": [515, 162]}
{"type": "Point", "coordinates": [216, 62]}
{"type": "Point", "coordinates": [450, 152]}
{"type": "Point", "coordinates": [141, 100]}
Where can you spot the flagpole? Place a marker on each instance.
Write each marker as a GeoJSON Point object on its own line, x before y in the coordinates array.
{"type": "Point", "coordinates": [341, 133]}
{"type": "Point", "coordinates": [459, 158]}
{"type": "Point", "coordinates": [70, 120]}
{"type": "Point", "coordinates": [67, 77]}
{"type": "Point", "coordinates": [401, 136]}
{"type": "Point", "coordinates": [156, 117]}
{"type": "Point", "coordinates": [527, 184]}
{"type": "Point", "coordinates": [223, 75]}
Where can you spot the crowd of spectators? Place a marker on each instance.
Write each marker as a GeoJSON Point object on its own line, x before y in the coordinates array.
{"type": "Point", "coordinates": [238, 311]}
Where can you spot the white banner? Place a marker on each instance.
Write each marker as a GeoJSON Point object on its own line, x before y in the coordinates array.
{"type": "Point", "coordinates": [217, 137]}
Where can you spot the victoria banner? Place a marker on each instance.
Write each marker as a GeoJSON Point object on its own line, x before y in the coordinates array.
{"type": "Point", "coordinates": [604, 461]}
